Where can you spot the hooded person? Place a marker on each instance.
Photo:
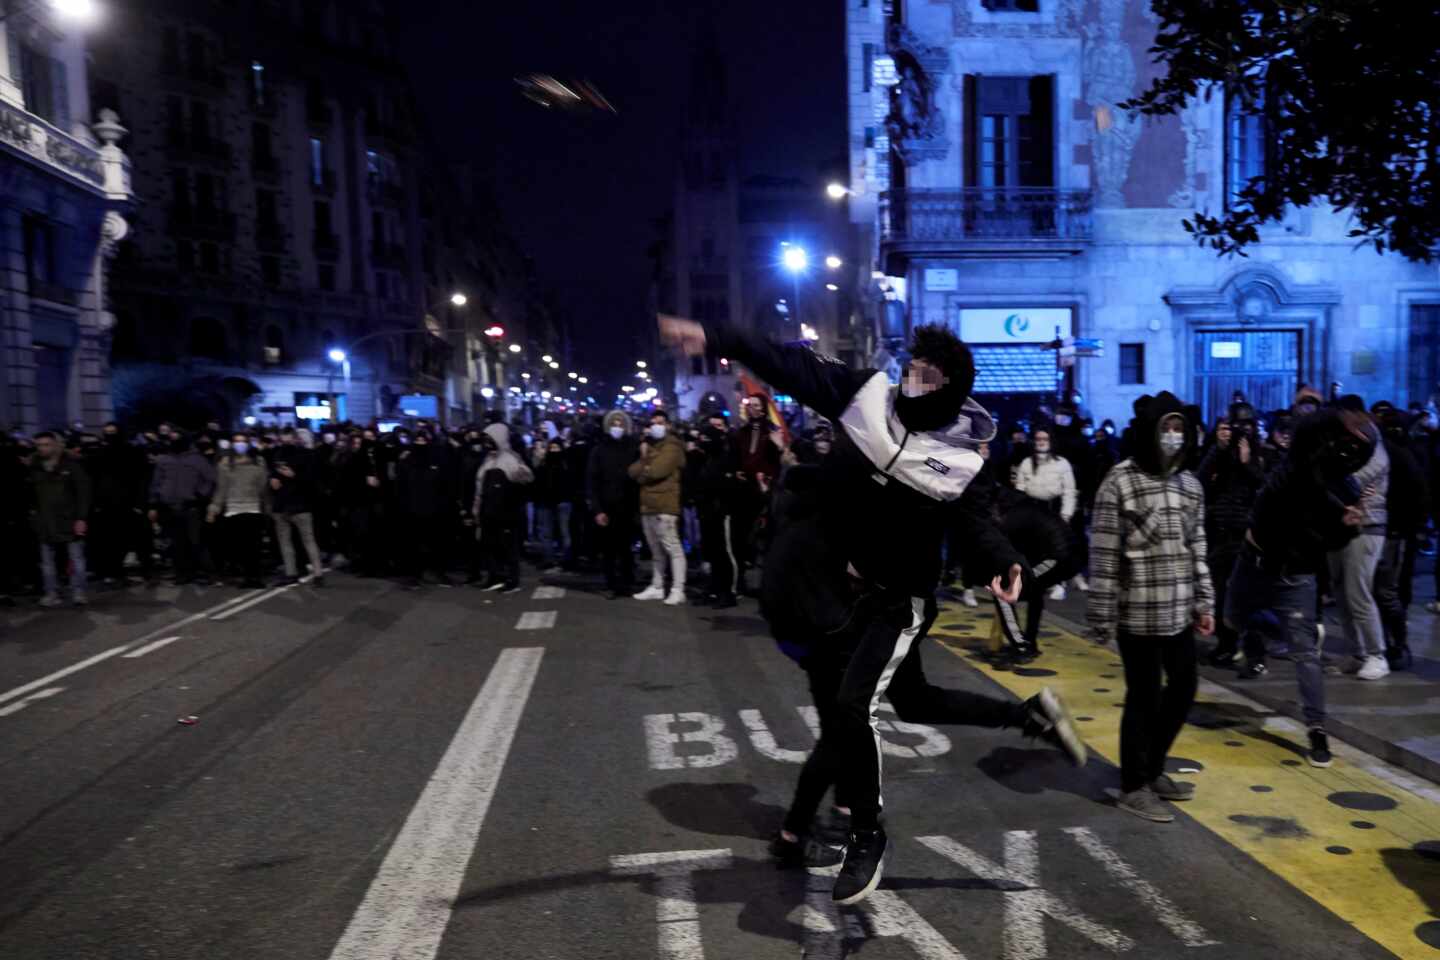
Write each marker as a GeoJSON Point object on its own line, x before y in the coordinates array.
{"type": "Point", "coordinates": [658, 470]}
{"type": "Point", "coordinates": [612, 498]}
{"type": "Point", "coordinates": [849, 585]}
{"type": "Point", "coordinates": [499, 508]}
{"type": "Point", "coordinates": [1150, 592]}
{"type": "Point", "coordinates": [1310, 506]}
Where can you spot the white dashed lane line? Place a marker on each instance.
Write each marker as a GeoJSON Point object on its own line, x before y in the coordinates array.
{"type": "Point", "coordinates": [548, 593]}
{"type": "Point", "coordinates": [150, 647]}
{"type": "Point", "coordinates": [536, 620]}
{"type": "Point", "coordinates": [19, 705]}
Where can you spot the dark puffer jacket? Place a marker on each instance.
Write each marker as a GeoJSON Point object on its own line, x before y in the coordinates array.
{"type": "Point", "coordinates": [608, 487]}
{"type": "Point", "coordinates": [61, 495]}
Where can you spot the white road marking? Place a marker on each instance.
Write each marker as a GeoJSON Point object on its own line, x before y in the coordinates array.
{"type": "Point", "coordinates": [764, 741]}
{"type": "Point", "coordinates": [150, 647]}
{"type": "Point", "coordinates": [1027, 904]}
{"type": "Point", "coordinates": [19, 705]}
{"type": "Point", "coordinates": [660, 742]}
{"type": "Point", "coordinates": [888, 916]}
{"type": "Point", "coordinates": [20, 691]}
{"type": "Point", "coordinates": [233, 601]}
{"type": "Point", "coordinates": [548, 593]}
{"type": "Point", "coordinates": [536, 620]}
{"type": "Point", "coordinates": [406, 909]}
{"type": "Point", "coordinates": [677, 917]}
{"type": "Point", "coordinates": [1188, 931]}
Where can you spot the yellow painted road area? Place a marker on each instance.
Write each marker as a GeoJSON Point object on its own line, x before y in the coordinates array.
{"type": "Point", "coordinates": [1361, 838]}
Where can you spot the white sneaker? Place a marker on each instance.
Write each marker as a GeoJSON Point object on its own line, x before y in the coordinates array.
{"type": "Point", "coordinates": [968, 598]}
{"type": "Point", "coordinates": [1375, 668]}
{"type": "Point", "coordinates": [1057, 592]}
{"type": "Point", "coordinates": [1080, 583]}
{"type": "Point", "coordinates": [50, 600]}
{"type": "Point", "coordinates": [651, 592]}
{"type": "Point", "coordinates": [676, 598]}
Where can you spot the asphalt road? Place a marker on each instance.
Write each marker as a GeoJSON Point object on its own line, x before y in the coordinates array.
{"type": "Point", "coordinates": [374, 773]}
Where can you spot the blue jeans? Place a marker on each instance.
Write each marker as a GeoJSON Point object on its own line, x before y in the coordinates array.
{"type": "Point", "coordinates": [49, 576]}
{"type": "Point", "coordinates": [1281, 606]}
{"type": "Point", "coordinates": [552, 529]}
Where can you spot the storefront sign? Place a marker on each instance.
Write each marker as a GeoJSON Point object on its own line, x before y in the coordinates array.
{"type": "Point", "coordinates": [318, 412]}
{"type": "Point", "coordinates": [1021, 325]}
{"type": "Point", "coordinates": [942, 280]}
{"type": "Point", "coordinates": [1225, 349]}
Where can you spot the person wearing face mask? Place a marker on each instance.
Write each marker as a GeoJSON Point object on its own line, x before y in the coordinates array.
{"type": "Point", "coordinates": [180, 490]}
{"type": "Point", "coordinates": [1310, 505]}
{"type": "Point", "coordinates": [241, 496]}
{"type": "Point", "coordinates": [552, 502]}
{"type": "Point", "coordinates": [1232, 474]}
{"type": "Point", "coordinates": [715, 496]}
{"type": "Point", "coordinates": [499, 508]}
{"type": "Point", "coordinates": [612, 499]}
{"type": "Point", "coordinates": [364, 488]}
{"type": "Point", "coordinates": [292, 498]}
{"type": "Point", "coordinates": [428, 497]}
{"type": "Point", "coordinates": [118, 480]}
{"type": "Point", "coordinates": [1150, 593]}
{"type": "Point", "coordinates": [1049, 478]}
{"type": "Point", "coordinates": [849, 591]}
{"type": "Point", "coordinates": [1017, 452]}
{"type": "Point", "coordinates": [658, 470]}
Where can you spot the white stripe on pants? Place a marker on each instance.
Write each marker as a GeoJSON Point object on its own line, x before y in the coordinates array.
{"type": "Point", "coordinates": [663, 537]}
{"type": "Point", "coordinates": [903, 643]}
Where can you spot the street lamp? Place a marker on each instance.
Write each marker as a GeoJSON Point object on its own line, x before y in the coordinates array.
{"type": "Point", "coordinates": [459, 299]}
{"type": "Point", "coordinates": [584, 379]}
{"type": "Point", "coordinates": [524, 376]}
{"type": "Point", "coordinates": [836, 191]}
{"type": "Point", "coordinates": [831, 287]}
{"type": "Point", "coordinates": [833, 262]}
{"type": "Point", "coordinates": [546, 359]}
{"type": "Point", "coordinates": [554, 365]}
{"type": "Point", "coordinates": [795, 260]}
{"type": "Point", "coordinates": [641, 364]}
{"type": "Point", "coordinates": [514, 348]}
{"type": "Point", "coordinates": [82, 12]}
{"type": "Point", "coordinates": [574, 375]}
{"type": "Point", "coordinates": [487, 392]}
{"type": "Point", "coordinates": [337, 355]}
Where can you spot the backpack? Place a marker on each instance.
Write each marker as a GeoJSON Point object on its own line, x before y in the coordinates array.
{"type": "Point", "coordinates": [496, 496]}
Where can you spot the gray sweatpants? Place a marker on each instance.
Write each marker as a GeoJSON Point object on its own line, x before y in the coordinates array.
{"type": "Point", "coordinates": [1352, 577]}
{"type": "Point", "coordinates": [305, 523]}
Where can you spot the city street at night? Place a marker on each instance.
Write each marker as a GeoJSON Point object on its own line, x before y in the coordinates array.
{"type": "Point", "coordinates": [374, 773]}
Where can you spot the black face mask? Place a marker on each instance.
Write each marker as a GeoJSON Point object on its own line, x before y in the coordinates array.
{"type": "Point", "coordinates": [930, 411]}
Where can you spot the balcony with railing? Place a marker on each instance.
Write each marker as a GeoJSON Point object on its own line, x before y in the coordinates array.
{"type": "Point", "coordinates": [984, 222]}
{"type": "Point", "coordinates": [49, 146]}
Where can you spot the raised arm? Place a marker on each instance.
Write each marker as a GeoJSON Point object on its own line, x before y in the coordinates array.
{"type": "Point", "coordinates": [820, 383]}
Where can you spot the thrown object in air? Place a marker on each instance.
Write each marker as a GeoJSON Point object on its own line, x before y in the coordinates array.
{"type": "Point", "coordinates": [551, 93]}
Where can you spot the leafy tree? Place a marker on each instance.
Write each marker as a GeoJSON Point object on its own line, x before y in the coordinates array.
{"type": "Point", "coordinates": [1350, 94]}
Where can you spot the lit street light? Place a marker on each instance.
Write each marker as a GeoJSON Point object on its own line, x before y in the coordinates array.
{"type": "Point", "coordinates": [574, 375]}
{"type": "Point", "coordinates": [554, 365]}
{"type": "Point", "coordinates": [836, 191]}
{"type": "Point", "coordinates": [584, 379]}
{"type": "Point", "coordinates": [337, 355]}
{"type": "Point", "coordinates": [514, 348]}
{"type": "Point", "coordinates": [459, 299]}
{"type": "Point", "coordinates": [487, 392]}
{"type": "Point", "coordinates": [831, 287]}
{"type": "Point", "coordinates": [82, 12]}
{"type": "Point", "coordinates": [546, 359]}
{"type": "Point", "coordinates": [524, 376]}
{"type": "Point", "coordinates": [795, 258]}
{"type": "Point", "coordinates": [833, 262]}
{"type": "Point", "coordinates": [641, 364]}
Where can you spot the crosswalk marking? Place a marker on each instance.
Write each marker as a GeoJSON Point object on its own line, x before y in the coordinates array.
{"type": "Point", "coordinates": [150, 648]}
{"type": "Point", "coordinates": [407, 907]}
{"type": "Point", "coordinates": [19, 705]}
{"type": "Point", "coordinates": [677, 917]}
{"type": "Point", "coordinates": [536, 620]}
{"type": "Point", "coordinates": [548, 593]}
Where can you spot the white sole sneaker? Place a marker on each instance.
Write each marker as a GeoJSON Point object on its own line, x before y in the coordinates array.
{"type": "Point", "coordinates": [675, 600]}
{"type": "Point", "coordinates": [1064, 726]}
{"type": "Point", "coordinates": [650, 594]}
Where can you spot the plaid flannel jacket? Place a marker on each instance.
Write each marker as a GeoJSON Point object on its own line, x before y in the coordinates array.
{"type": "Point", "coordinates": [1148, 574]}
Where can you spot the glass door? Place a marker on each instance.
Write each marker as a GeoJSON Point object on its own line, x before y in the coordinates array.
{"type": "Point", "coordinates": [1261, 365]}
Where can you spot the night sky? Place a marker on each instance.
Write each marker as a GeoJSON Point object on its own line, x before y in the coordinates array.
{"type": "Point", "coordinates": [583, 193]}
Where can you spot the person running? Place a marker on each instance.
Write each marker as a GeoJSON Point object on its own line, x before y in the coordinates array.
{"type": "Point", "coordinates": [1150, 592]}
{"type": "Point", "coordinates": [851, 591]}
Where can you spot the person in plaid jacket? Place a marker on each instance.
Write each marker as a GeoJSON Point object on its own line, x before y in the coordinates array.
{"type": "Point", "coordinates": [1150, 591]}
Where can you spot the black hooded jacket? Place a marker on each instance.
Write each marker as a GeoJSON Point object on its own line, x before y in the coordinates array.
{"type": "Point", "coordinates": [1297, 517]}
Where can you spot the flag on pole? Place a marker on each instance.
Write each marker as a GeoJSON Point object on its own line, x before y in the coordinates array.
{"type": "Point", "coordinates": [772, 411]}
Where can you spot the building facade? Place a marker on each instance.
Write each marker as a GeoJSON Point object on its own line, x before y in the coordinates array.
{"type": "Point", "coordinates": [1002, 192]}
{"type": "Point", "coordinates": [64, 198]}
{"type": "Point", "coordinates": [290, 251]}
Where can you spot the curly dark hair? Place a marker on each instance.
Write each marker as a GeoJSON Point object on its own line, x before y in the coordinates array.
{"type": "Point", "coordinates": [939, 345]}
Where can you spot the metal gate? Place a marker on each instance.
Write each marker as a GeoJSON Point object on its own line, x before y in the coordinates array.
{"type": "Point", "coordinates": [1264, 365]}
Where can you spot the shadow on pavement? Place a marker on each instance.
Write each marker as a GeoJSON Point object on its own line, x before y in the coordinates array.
{"type": "Point", "coordinates": [720, 809]}
{"type": "Point", "coordinates": [1045, 770]}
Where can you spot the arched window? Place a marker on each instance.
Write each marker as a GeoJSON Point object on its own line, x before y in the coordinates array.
{"type": "Point", "coordinates": [207, 338]}
{"type": "Point", "coordinates": [274, 346]}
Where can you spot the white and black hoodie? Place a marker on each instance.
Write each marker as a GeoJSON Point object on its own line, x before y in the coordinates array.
{"type": "Point", "coordinates": [888, 496]}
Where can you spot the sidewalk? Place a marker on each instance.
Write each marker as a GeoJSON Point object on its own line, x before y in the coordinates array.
{"type": "Point", "coordinates": [1396, 719]}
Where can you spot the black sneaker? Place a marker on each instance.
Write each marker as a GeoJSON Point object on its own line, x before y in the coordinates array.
{"type": "Point", "coordinates": [1221, 658]}
{"type": "Point", "coordinates": [864, 860]}
{"type": "Point", "coordinates": [1252, 671]}
{"type": "Point", "coordinates": [1319, 755]}
{"type": "Point", "coordinates": [788, 853]}
{"type": "Point", "coordinates": [1047, 718]}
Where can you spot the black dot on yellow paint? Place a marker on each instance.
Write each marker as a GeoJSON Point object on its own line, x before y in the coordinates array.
{"type": "Point", "coordinates": [1429, 849]}
{"type": "Point", "coordinates": [1107, 676]}
{"type": "Point", "coordinates": [1338, 850]}
{"type": "Point", "coordinates": [1102, 689]}
{"type": "Point", "coordinates": [1034, 672]}
{"type": "Point", "coordinates": [1362, 824]}
{"type": "Point", "coordinates": [1117, 705]}
{"type": "Point", "coordinates": [1290, 763]}
{"type": "Point", "coordinates": [1084, 718]}
{"type": "Point", "coordinates": [1234, 743]}
{"type": "Point", "coordinates": [1361, 800]}
{"type": "Point", "coordinates": [1428, 933]}
{"type": "Point", "coordinates": [1261, 788]}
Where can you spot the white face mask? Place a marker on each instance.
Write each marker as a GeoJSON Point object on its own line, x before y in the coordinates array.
{"type": "Point", "coordinates": [223, 444]}
{"type": "Point", "coordinates": [1087, 431]}
{"type": "Point", "coordinates": [617, 432]}
{"type": "Point", "coordinates": [657, 431]}
{"type": "Point", "coordinates": [329, 438]}
{"type": "Point", "coordinates": [1171, 443]}
{"type": "Point", "coordinates": [241, 447]}
{"type": "Point", "coordinates": [1062, 419]}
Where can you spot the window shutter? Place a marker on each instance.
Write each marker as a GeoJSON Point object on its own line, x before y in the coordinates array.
{"type": "Point", "coordinates": [1037, 160]}
{"type": "Point", "coordinates": [61, 95]}
{"type": "Point", "coordinates": [16, 71]}
{"type": "Point", "coordinates": [972, 129]}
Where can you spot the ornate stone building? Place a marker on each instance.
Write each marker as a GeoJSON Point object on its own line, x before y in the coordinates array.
{"type": "Point", "coordinates": [64, 194]}
{"type": "Point", "coordinates": [1003, 192]}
